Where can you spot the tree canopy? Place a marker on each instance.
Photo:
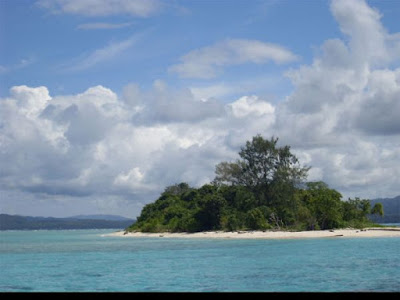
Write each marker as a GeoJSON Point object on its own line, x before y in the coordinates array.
{"type": "Point", "coordinates": [262, 164]}
{"type": "Point", "coordinates": [264, 189]}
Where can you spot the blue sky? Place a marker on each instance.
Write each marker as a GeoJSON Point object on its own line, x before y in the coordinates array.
{"type": "Point", "coordinates": [105, 103]}
{"type": "Point", "coordinates": [43, 47]}
{"type": "Point", "coordinates": [70, 51]}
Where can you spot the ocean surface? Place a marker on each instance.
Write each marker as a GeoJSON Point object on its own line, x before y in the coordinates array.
{"type": "Point", "coordinates": [84, 260]}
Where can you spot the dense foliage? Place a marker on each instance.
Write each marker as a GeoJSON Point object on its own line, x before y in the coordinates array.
{"type": "Point", "coordinates": [265, 189]}
{"type": "Point", "coordinates": [391, 206]}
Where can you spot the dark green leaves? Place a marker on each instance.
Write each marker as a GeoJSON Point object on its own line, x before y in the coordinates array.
{"type": "Point", "coordinates": [263, 189]}
{"type": "Point", "coordinates": [262, 163]}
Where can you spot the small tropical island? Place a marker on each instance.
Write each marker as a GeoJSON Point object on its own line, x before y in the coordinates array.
{"type": "Point", "coordinates": [264, 191]}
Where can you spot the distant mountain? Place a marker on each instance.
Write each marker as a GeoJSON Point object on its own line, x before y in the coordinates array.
{"type": "Point", "coordinates": [391, 209]}
{"type": "Point", "coordinates": [101, 217]}
{"type": "Point", "coordinates": [15, 222]}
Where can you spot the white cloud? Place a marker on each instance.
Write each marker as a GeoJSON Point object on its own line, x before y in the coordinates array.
{"type": "Point", "coordinates": [132, 180]}
{"type": "Point", "coordinates": [207, 62]}
{"type": "Point", "coordinates": [164, 105]}
{"type": "Point", "coordinates": [23, 63]}
{"type": "Point", "coordinates": [94, 143]}
{"type": "Point", "coordinates": [344, 109]}
{"type": "Point", "coordinates": [94, 26]}
{"type": "Point", "coordinates": [101, 55]}
{"type": "Point", "coordinates": [30, 101]}
{"type": "Point", "coordinates": [137, 8]}
{"type": "Point", "coordinates": [212, 91]}
{"type": "Point", "coordinates": [341, 119]}
{"type": "Point", "coordinates": [379, 109]}
{"type": "Point", "coordinates": [227, 90]}
{"type": "Point", "coordinates": [251, 105]}
{"type": "Point", "coordinates": [362, 24]}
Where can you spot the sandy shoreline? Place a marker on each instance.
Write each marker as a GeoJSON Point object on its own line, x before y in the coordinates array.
{"type": "Point", "coordinates": [368, 232]}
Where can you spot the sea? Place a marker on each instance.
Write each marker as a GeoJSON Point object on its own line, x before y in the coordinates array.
{"type": "Point", "coordinates": [89, 261]}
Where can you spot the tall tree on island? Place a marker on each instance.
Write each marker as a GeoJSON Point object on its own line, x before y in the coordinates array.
{"type": "Point", "coordinates": [262, 163]}
{"type": "Point", "coordinates": [271, 172]}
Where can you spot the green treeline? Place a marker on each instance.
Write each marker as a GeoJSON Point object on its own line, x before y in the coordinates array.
{"type": "Point", "coordinates": [265, 189]}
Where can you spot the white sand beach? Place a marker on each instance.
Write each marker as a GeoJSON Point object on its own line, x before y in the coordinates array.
{"type": "Point", "coordinates": [337, 233]}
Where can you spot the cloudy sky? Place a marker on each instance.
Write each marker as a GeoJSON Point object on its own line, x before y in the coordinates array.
{"type": "Point", "coordinates": [104, 103]}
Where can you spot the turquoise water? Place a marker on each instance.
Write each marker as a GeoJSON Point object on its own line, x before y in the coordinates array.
{"type": "Point", "coordinates": [83, 260]}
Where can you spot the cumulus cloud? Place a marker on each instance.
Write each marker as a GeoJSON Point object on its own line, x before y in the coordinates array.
{"type": "Point", "coordinates": [246, 106]}
{"type": "Point", "coordinates": [208, 61]}
{"type": "Point", "coordinates": [346, 103]}
{"type": "Point", "coordinates": [341, 119]}
{"type": "Point", "coordinates": [162, 104]}
{"type": "Point", "coordinates": [137, 8]}
{"type": "Point", "coordinates": [96, 143]}
{"type": "Point", "coordinates": [380, 109]}
{"type": "Point", "coordinates": [370, 41]}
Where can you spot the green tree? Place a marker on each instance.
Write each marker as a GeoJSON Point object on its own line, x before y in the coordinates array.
{"type": "Point", "coordinates": [209, 216]}
{"type": "Point", "coordinates": [260, 190]}
{"type": "Point", "coordinates": [378, 209]}
{"type": "Point", "coordinates": [177, 189]}
{"type": "Point", "coordinates": [305, 217]}
{"type": "Point", "coordinates": [271, 172]}
{"type": "Point", "coordinates": [232, 220]}
{"type": "Point", "coordinates": [228, 173]}
{"type": "Point", "coordinates": [261, 163]}
{"type": "Point", "coordinates": [244, 199]}
{"type": "Point", "coordinates": [325, 204]}
{"type": "Point", "coordinates": [255, 219]}
{"type": "Point", "coordinates": [356, 211]}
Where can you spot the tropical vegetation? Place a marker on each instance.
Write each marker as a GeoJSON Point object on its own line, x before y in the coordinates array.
{"type": "Point", "coordinates": [265, 189]}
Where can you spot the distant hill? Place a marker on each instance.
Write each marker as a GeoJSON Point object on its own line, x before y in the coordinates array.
{"type": "Point", "coordinates": [391, 208]}
{"type": "Point", "coordinates": [15, 222]}
{"type": "Point", "coordinates": [101, 217]}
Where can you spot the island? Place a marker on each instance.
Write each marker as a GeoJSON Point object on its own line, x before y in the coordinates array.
{"type": "Point", "coordinates": [16, 222]}
{"type": "Point", "coordinates": [262, 192]}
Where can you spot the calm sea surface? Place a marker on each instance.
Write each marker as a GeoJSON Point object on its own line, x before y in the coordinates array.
{"type": "Point", "coordinates": [84, 260]}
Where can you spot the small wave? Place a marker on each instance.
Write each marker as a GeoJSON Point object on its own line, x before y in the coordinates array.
{"type": "Point", "coordinates": [16, 288]}
{"type": "Point", "coordinates": [92, 274]}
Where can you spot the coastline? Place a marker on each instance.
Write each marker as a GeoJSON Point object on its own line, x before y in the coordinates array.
{"type": "Point", "coordinates": [367, 232]}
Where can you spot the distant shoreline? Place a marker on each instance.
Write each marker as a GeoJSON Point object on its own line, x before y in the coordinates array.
{"type": "Point", "coordinates": [16, 222]}
{"type": "Point", "coordinates": [368, 232]}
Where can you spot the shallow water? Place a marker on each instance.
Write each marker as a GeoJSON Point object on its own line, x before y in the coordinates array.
{"type": "Point", "coordinates": [84, 260]}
